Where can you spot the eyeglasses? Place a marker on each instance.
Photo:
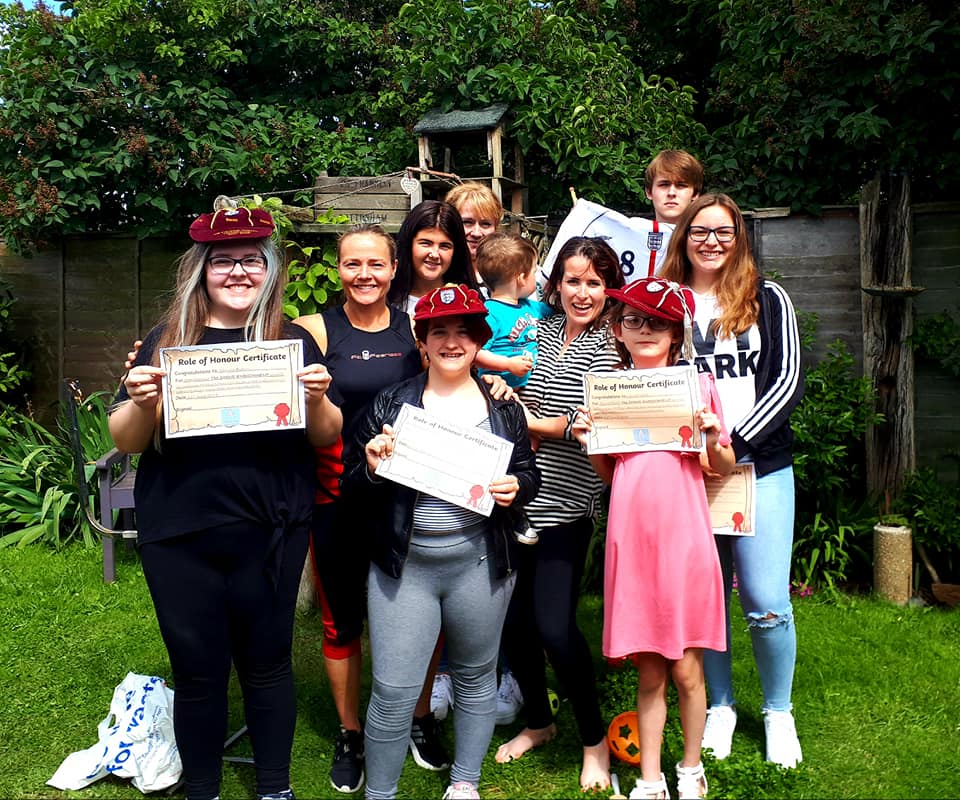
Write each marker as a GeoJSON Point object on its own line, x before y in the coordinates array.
{"type": "Point", "coordinates": [635, 322]}
{"type": "Point", "coordinates": [724, 234]}
{"type": "Point", "coordinates": [223, 265]}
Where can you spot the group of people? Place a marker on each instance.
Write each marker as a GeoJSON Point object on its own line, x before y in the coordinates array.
{"type": "Point", "coordinates": [448, 318]}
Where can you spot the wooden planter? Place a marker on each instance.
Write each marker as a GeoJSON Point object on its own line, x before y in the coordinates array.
{"type": "Point", "coordinates": [893, 562]}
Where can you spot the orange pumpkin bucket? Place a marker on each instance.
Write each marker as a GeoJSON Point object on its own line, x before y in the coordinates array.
{"type": "Point", "coordinates": [623, 738]}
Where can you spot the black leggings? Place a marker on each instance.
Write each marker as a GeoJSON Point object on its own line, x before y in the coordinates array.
{"type": "Point", "coordinates": [216, 603]}
{"type": "Point", "coordinates": [543, 617]}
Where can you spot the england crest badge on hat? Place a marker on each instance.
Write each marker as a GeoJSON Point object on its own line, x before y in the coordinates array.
{"type": "Point", "coordinates": [447, 296]}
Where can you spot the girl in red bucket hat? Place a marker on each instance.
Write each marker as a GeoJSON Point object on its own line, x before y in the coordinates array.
{"type": "Point", "coordinates": [223, 519]}
{"type": "Point", "coordinates": [663, 590]}
{"type": "Point", "coordinates": [436, 565]}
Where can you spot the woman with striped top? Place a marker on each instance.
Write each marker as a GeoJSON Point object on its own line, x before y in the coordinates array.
{"type": "Point", "coordinates": [745, 333]}
{"type": "Point", "coordinates": [542, 615]}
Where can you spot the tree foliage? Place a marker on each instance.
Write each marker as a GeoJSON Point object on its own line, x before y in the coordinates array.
{"type": "Point", "coordinates": [137, 115]}
{"type": "Point", "coordinates": [585, 115]}
{"type": "Point", "coordinates": [123, 114]}
{"type": "Point", "coordinates": [813, 97]}
{"type": "Point", "coordinates": [130, 114]}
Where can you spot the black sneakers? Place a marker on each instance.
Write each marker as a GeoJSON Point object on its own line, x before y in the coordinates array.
{"type": "Point", "coordinates": [346, 774]}
{"type": "Point", "coordinates": [425, 745]}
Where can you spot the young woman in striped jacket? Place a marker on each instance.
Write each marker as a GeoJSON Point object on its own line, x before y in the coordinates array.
{"type": "Point", "coordinates": [542, 614]}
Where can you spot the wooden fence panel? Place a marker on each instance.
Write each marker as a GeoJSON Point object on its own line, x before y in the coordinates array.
{"type": "Point", "coordinates": [99, 311]}
{"type": "Point", "coordinates": [817, 261]}
{"type": "Point", "coordinates": [82, 313]}
{"type": "Point", "coordinates": [158, 272]}
{"type": "Point", "coordinates": [936, 266]}
{"type": "Point", "coordinates": [36, 314]}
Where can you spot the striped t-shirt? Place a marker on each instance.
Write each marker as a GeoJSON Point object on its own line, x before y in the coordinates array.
{"type": "Point", "coordinates": [570, 489]}
{"type": "Point", "coordinates": [433, 515]}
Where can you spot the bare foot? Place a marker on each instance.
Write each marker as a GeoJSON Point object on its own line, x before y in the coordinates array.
{"type": "Point", "coordinates": [596, 767]}
{"type": "Point", "coordinates": [527, 739]}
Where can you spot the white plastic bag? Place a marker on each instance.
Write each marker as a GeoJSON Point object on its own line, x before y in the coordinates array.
{"type": "Point", "coordinates": [139, 744]}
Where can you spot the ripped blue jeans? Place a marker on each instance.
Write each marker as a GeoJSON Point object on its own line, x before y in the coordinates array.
{"type": "Point", "coordinates": [762, 566]}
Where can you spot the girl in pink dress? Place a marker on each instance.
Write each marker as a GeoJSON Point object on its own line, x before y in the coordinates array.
{"type": "Point", "coordinates": [663, 590]}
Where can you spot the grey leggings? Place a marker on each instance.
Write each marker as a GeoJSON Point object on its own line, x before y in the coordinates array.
{"type": "Point", "coordinates": [447, 582]}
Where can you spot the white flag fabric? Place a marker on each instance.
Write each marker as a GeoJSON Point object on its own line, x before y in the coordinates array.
{"type": "Point", "coordinates": [640, 243]}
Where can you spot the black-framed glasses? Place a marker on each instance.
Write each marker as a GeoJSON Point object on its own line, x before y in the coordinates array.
{"type": "Point", "coordinates": [724, 234]}
{"type": "Point", "coordinates": [223, 265]}
{"type": "Point", "coordinates": [635, 322]}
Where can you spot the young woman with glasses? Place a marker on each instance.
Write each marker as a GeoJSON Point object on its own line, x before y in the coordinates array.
{"type": "Point", "coordinates": [746, 335]}
{"type": "Point", "coordinates": [223, 519]}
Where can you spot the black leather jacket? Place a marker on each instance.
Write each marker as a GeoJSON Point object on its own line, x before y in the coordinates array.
{"type": "Point", "coordinates": [391, 504]}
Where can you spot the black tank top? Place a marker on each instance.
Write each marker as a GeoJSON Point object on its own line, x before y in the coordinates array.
{"type": "Point", "coordinates": [362, 363]}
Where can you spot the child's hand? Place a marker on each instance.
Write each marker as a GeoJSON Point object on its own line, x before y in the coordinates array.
{"type": "Point", "coordinates": [379, 448]}
{"type": "Point", "coordinates": [705, 467]}
{"type": "Point", "coordinates": [504, 489]}
{"type": "Point", "coordinates": [709, 424]}
{"type": "Point", "coordinates": [499, 388]}
{"type": "Point", "coordinates": [520, 365]}
{"type": "Point", "coordinates": [582, 425]}
{"type": "Point", "coordinates": [716, 441]}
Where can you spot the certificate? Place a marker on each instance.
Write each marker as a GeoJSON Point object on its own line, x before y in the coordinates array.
{"type": "Point", "coordinates": [733, 501]}
{"type": "Point", "coordinates": [643, 409]}
{"type": "Point", "coordinates": [232, 388]}
{"type": "Point", "coordinates": [446, 460]}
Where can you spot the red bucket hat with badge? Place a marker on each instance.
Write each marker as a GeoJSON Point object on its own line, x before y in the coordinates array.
{"type": "Point", "coordinates": [659, 298]}
{"type": "Point", "coordinates": [452, 300]}
{"type": "Point", "coordinates": [229, 224]}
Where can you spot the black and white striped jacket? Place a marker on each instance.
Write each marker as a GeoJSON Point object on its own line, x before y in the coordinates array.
{"type": "Point", "coordinates": [570, 489]}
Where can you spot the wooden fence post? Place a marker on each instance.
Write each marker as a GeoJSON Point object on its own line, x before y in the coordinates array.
{"type": "Point", "coordinates": [886, 239]}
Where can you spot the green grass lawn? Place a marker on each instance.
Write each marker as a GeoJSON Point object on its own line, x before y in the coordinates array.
{"type": "Point", "coordinates": [877, 696]}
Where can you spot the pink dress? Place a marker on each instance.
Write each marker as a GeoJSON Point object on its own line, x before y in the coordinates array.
{"type": "Point", "coordinates": [662, 588]}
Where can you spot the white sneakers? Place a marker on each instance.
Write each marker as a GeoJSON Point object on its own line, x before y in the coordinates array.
{"type": "Point", "coordinates": [783, 746]}
{"type": "Point", "coordinates": [718, 733]}
{"type": "Point", "coordinates": [441, 695]}
{"type": "Point", "coordinates": [461, 790]}
{"type": "Point", "coordinates": [509, 699]}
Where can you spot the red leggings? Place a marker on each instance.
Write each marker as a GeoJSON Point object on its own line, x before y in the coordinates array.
{"type": "Point", "coordinates": [331, 648]}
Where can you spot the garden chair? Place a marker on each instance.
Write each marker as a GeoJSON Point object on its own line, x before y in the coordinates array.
{"type": "Point", "coordinates": [115, 479]}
